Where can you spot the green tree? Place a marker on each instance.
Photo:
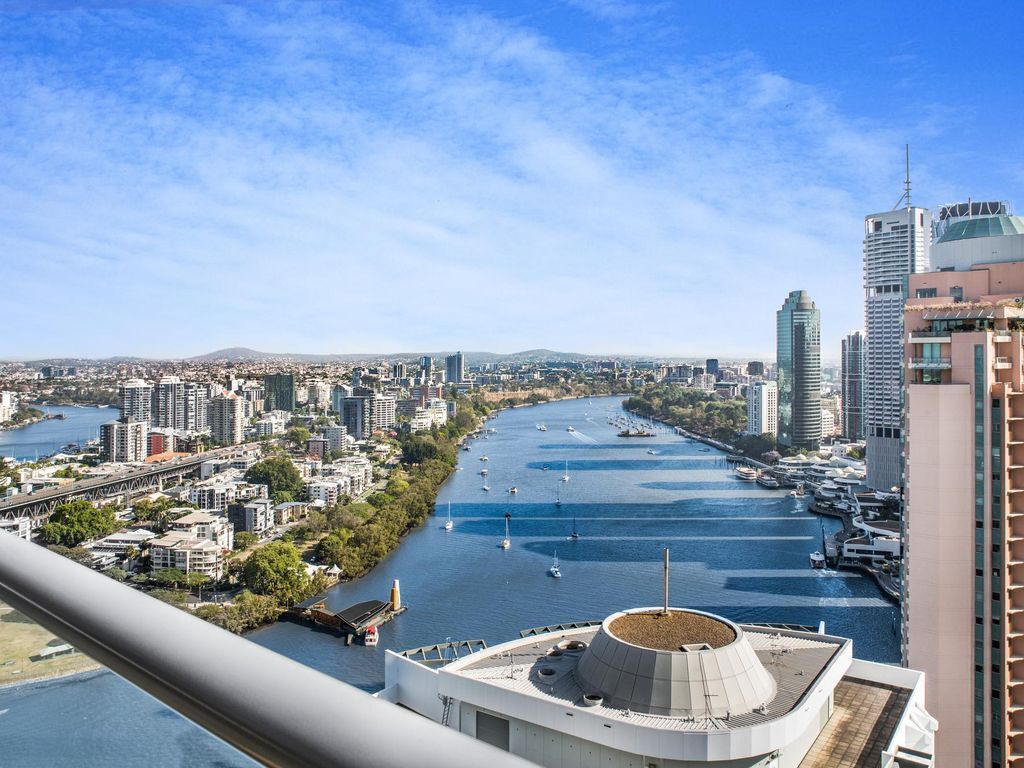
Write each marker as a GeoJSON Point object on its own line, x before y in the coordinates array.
{"type": "Point", "coordinates": [170, 577]}
{"type": "Point", "coordinates": [297, 436]}
{"type": "Point", "coordinates": [278, 473]}
{"type": "Point", "coordinates": [278, 571]}
{"type": "Point", "coordinates": [245, 539]}
{"type": "Point", "coordinates": [78, 521]}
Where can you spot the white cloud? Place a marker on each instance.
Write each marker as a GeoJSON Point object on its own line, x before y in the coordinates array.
{"type": "Point", "coordinates": [295, 180]}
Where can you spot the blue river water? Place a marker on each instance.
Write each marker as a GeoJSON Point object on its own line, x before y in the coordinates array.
{"type": "Point", "coordinates": [737, 549]}
{"type": "Point", "coordinates": [39, 440]}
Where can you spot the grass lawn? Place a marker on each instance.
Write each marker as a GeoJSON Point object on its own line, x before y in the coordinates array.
{"type": "Point", "coordinates": [21, 639]}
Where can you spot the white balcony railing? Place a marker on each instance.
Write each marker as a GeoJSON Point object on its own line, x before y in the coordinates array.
{"type": "Point", "coordinates": [274, 709]}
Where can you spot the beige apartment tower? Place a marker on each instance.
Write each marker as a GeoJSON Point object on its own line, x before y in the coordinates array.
{"type": "Point", "coordinates": [963, 607]}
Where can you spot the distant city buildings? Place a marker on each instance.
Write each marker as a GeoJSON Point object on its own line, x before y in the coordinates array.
{"type": "Point", "coordinates": [279, 392]}
{"type": "Point", "coordinates": [755, 368]}
{"type": "Point", "coordinates": [853, 375]}
{"type": "Point", "coordinates": [762, 408]}
{"type": "Point", "coordinates": [455, 368]}
{"type": "Point", "coordinates": [963, 613]}
{"type": "Point", "coordinates": [798, 358]}
{"type": "Point", "coordinates": [896, 245]}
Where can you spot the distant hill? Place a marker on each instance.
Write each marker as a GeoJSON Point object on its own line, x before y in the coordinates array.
{"type": "Point", "coordinates": [237, 354]}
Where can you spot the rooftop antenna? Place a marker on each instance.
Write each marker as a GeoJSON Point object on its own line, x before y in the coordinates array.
{"type": "Point", "coordinates": [906, 182]}
{"type": "Point", "coordinates": [664, 611]}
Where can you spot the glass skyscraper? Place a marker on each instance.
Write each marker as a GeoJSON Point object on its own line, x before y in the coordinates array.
{"type": "Point", "coordinates": [798, 358]}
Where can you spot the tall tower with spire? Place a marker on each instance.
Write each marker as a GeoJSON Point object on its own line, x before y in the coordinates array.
{"type": "Point", "coordinates": [896, 245]}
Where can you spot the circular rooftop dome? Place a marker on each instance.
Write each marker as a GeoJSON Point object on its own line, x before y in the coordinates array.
{"type": "Point", "coordinates": [684, 664]}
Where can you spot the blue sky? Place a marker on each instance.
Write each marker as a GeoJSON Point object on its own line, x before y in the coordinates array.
{"type": "Point", "coordinates": [591, 175]}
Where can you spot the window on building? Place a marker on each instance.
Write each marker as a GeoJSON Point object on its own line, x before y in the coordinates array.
{"type": "Point", "coordinates": [957, 293]}
{"type": "Point", "coordinates": [927, 293]}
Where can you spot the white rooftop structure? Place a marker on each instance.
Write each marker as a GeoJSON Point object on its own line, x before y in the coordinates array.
{"type": "Point", "coordinates": [682, 688]}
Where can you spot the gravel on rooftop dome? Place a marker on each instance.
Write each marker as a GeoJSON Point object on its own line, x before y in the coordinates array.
{"type": "Point", "coordinates": [669, 633]}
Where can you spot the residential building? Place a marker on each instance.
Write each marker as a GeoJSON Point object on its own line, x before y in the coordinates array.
{"type": "Point", "coordinates": [798, 359]}
{"type": "Point", "coordinates": [121, 441]}
{"type": "Point", "coordinates": [705, 381]}
{"type": "Point", "coordinates": [711, 366]}
{"type": "Point", "coordinates": [255, 516]}
{"type": "Point", "coordinates": [755, 368]}
{"type": "Point", "coordinates": [318, 395]}
{"type": "Point", "coordinates": [398, 371]}
{"type": "Point", "coordinates": [896, 245]}
{"type": "Point", "coordinates": [327, 492]}
{"type": "Point", "coordinates": [197, 543]}
{"type": "Point", "coordinates": [279, 392]}
{"type": "Point", "coordinates": [762, 408]}
{"type": "Point", "coordinates": [963, 613]}
{"type": "Point", "coordinates": [197, 406]}
{"type": "Point", "coordinates": [853, 373]}
{"type": "Point", "coordinates": [455, 368]}
{"type": "Point", "coordinates": [318, 446]}
{"type": "Point", "coordinates": [135, 397]}
{"type": "Point", "coordinates": [169, 403]}
{"type": "Point", "coordinates": [710, 694]}
{"type": "Point", "coordinates": [122, 542]}
{"type": "Point", "coordinates": [337, 438]}
{"type": "Point", "coordinates": [213, 496]}
{"type": "Point", "coordinates": [8, 406]}
{"type": "Point", "coordinates": [426, 368]}
{"type": "Point", "coordinates": [227, 419]}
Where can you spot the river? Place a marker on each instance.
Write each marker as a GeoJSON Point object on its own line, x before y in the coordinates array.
{"type": "Point", "coordinates": [737, 549]}
{"type": "Point", "coordinates": [39, 440]}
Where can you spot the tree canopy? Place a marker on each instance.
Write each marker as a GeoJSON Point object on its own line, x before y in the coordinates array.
{"type": "Point", "coordinates": [78, 521]}
{"type": "Point", "coordinates": [278, 571]}
{"type": "Point", "coordinates": [278, 473]}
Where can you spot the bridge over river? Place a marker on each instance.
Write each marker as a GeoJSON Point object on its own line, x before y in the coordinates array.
{"type": "Point", "coordinates": [135, 482]}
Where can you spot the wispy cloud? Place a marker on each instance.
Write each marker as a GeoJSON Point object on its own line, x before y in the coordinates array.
{"type": "Point", "coordinates": [295, 177]}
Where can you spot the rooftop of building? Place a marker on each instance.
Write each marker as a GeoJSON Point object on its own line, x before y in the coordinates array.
{"type": "Point", "coordinates": [982, 226]}
{"type": "Point", "coordinates": [673, 631]}
{"type": "Point", "coordinates": [760, 675]}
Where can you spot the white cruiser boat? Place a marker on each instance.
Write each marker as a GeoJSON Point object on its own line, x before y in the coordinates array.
{"type": "Point", "coordinates": [745, 473]}
{"type": "Point", "coordinates": [565, 477]}
{"type": "Point", "coordinates": [817, 560]}
{"type": "Point", "coordinates": [570, 429]}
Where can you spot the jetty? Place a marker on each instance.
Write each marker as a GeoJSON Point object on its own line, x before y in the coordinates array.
{"type": "Point", "coordinates": [353, 622]}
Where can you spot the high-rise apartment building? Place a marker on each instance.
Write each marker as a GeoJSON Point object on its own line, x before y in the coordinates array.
{"type": "Point", "coordinates": [227, 418]}
{"type": "Point", "coordinates": [169, 403]}
{"type": "Point", "coordinates": [755, 368]}
{"type": "Point", "coordinates": [8, 406]}
{"type": "Point", "coordinates": [896, 245]}
{"type": "Point", "coordinates": [426, 367]}
{"type": "Point", "coordinates": [798, 343]}
{"type": "Point", "coordinates": [135, 398]}
{"type": "Point", "coordinates": [762, 408]}
{"type": "Point", "coordinates": [197, 406]}
{"type": "Point", "coordinates": [279, 392]}
{"type": "Point", "coordinates": [365, 412]}
{"type": "Point", "coordinates": [124, 441]}
{"type": "Point", "coordinates": [963, 580]}
{"type": "Point", "coordinates": [455, 368]}
{"type": "Point", "coordinates": [711, 366]}
{"type": "Point", "coordinates": [853, 349]}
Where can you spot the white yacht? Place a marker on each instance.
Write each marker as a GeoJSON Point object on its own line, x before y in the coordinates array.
{"type": "Point", "coordinates": [513, 489]}
{"type": "Point", "coordinates": [570, 429]}
{"type": "Point", "coordinates": [817, 560]}
{"type": "Point", "coordinates": [483, 472]}
{"type": "Point", "coordinates": [370, 637]}
{"type": "Point", "coordinates": [507, 541]}
{"type": "Point", "coordinates": [554, 570]}
{"type": "Point", "coordinates": [575, 535]}
{"type": "Point", "coordinates": [448, 525]}
{"type": "Point", "coordinates": [484, 458]}
{"type": "Point", "coordinates": [565, 477]}
{"type": "Point", "coordinates": [486, 488]}
{"type": "Point", "coordinates": [542, 427]}
{"type": "Point", "coordinates": [767, 481]}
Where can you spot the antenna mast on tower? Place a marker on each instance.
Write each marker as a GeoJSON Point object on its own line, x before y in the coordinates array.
{"type": "Point", "coordinates": [906, 182]}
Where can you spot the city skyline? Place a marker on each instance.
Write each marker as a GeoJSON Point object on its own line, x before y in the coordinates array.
{"type": "Point", "coordinates": [525, 161]}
